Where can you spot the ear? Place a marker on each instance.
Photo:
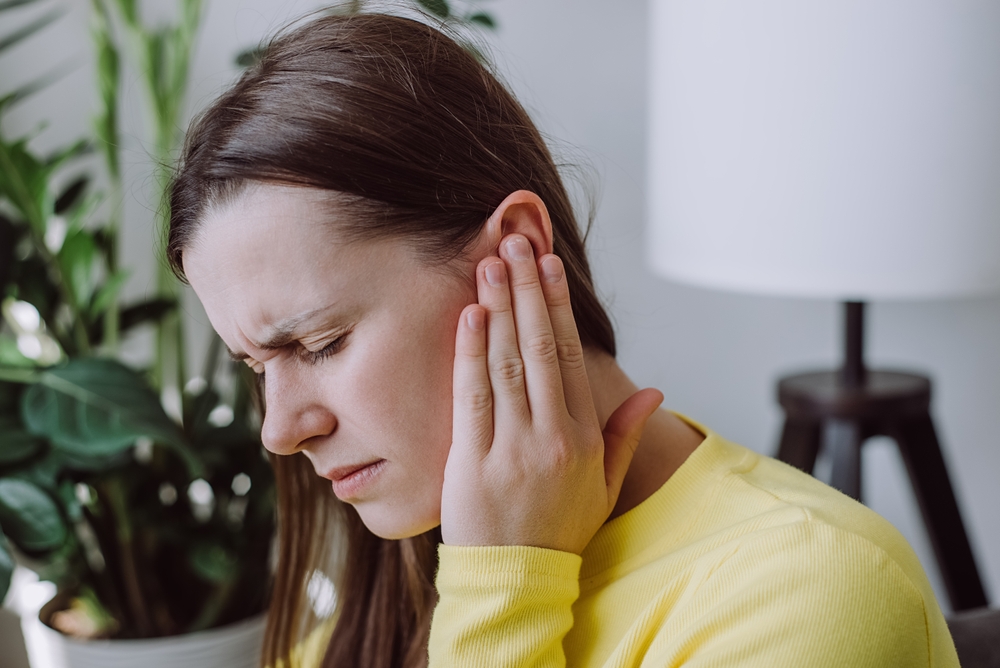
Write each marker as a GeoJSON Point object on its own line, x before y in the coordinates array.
{"type": "Point", "coordinates": [521, 212]}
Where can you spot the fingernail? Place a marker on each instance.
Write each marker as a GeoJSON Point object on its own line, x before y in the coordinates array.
{"type": "Point", "coordinates": [518, 248]}
{"type": "Point", "coordinates": [552, 269]}
{"type": "Point", "coordinates": [476, 319]}
{"type": "Point", "coordinates": [496, 273]}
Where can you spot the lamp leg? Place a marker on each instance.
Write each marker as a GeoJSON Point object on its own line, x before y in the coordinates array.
{"type": "Point", "coordinates": [921, 452]}
{"type": "Point", "coordinates": [800, 443]}
{"type": "Point", "coordinates": [843, 438]}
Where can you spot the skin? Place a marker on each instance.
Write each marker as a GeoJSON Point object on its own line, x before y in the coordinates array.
{"type": "Point", "coordinates": [540, 442]}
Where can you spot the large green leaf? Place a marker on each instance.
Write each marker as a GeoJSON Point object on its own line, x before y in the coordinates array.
{"type": "Point", "coordinates": [96, 407]}
{"type": "Point", "coordinates": [16, 444]}
{"type": "Point", "coordinates": [29, 516]}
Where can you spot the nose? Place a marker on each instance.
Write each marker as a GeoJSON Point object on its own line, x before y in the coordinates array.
{"type": "Point", "coordinates": [294, 413]}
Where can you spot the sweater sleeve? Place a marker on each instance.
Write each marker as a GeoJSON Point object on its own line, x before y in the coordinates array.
{"type": "Point", "coordinates": [503, 606]}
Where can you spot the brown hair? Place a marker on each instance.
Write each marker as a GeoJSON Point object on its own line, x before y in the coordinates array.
{"type": "Point", "coordinates": [419, 141]}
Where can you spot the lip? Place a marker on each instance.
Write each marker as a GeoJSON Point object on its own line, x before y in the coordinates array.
{"type": "Point", "coordinates": [350, 481]}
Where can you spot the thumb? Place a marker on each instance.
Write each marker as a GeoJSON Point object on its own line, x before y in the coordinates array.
{"type": "Point", "coordinates": [622, 434]}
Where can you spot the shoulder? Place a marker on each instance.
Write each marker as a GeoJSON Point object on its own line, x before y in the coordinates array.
{"type": "Point", "coordinates": [789, 520]}
{"type": "Point", "coordinates": [821, 521]}
{"type": "Point", "coordinates": [827, 578]}
{"type": "Point", "coordinates": [807, 594]}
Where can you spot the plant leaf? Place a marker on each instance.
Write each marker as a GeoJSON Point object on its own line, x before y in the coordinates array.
{"type": "Point", "coordinates": [483, 19]}
{"type": "Point", "coordinates": [438, 8]}
{"type": "Point", "coordinates": [62, 156]}
{"type": "Point", "coordinates": [28, 30]}
{"type": "Point", "coordinates": [148, 311]}
{"type": "Point", "coordinates": [108, 80]}
{"type": "Point", "coordinates": [214, 563]}
{"type": "Point", "coordinates": [77, 260]}
{"type": "Point", "coordinates": [108, 292]}
{"type": "Point", "coordinates": [29, 516]}
{"type": "Point", "coordinates": [129, 11]}
{"type": "Point", "coordinates": [13, 365]}
{"type": "Point", "coordinates": [71, 194]}
{"type": "Point", "coordinates": [96, 407]}
{"type": "Point", "coordinates": [27, 89]}
{"type": "Point", "coordinates": [10, 4]}
{"type": "Point", "coordinates": [16, 444]}
{"type": "Point", "coordinates": [8, 398]}
{"type": "Point", "coordinates": [250, 57]}
{"type": "Point", "coordinates": [8, 234]}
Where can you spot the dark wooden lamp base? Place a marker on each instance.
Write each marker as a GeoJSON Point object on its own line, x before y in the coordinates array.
{"type": "Point", "coordinates": [840, 410]}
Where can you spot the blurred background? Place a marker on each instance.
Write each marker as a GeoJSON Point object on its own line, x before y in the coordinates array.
{"type": "Point", "coordinates": [581, 70]}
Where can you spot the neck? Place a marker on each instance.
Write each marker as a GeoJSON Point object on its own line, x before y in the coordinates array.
{"type": "Point", "coordinates": [666, 439]}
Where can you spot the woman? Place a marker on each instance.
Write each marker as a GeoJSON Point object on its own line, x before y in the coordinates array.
{"type": "Point", "coordinates": [375, 226]}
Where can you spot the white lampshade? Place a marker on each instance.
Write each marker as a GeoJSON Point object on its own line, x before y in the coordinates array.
{"type": "Point", "coordinates": [846, 149]}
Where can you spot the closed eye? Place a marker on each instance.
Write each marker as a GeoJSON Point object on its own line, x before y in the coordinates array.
{"type": "Point", "coordinates": [332, 348]}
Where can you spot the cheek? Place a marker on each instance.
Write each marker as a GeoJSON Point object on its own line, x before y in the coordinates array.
{"type": "Point", "coordinates": [402, 387]}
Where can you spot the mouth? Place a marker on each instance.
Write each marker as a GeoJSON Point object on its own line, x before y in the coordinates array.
{"type": "Point", "coordinates": [350, 481]}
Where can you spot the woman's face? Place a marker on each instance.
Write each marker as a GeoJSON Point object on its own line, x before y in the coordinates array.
{"type": "Point", "coordinates": [356, 342]}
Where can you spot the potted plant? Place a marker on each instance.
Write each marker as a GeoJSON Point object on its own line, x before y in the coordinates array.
{"type": "Point", "coordinates": [143, 494]}
{"type": "Point", "coordinates": [149, 525]}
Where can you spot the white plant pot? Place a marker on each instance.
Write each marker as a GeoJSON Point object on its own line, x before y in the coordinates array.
{"type": "Point", "coordinates": [235, 646]}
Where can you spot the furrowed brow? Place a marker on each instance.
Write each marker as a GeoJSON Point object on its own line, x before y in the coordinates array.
{"type": "Point", "coordinates": [279, 339]}
{"type": "Point", "coordinates": [281, 335]}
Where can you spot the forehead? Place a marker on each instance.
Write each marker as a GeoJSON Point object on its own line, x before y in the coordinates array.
{"type": "Point", "coordinates": [274, 252]}
{"type": "Point", "coordinates": [265, 214]}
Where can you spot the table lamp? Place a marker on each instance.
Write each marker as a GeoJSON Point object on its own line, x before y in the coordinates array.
{"type": "Point", "coordinates": [835, 149]}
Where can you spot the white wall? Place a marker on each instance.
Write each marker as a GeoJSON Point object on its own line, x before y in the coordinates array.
{"type": "Point", "coordinates": [579, 67]}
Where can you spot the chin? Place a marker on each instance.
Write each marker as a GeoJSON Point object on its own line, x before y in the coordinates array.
{"type": "Point", "coordinates": [390, 525]}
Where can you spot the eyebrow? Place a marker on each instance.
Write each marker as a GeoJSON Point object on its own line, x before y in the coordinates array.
{"type": "Point", "coordinates": [281, 334]}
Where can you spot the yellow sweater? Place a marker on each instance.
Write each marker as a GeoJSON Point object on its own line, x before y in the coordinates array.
{"type": "Point", "coordinates": [738, 560]}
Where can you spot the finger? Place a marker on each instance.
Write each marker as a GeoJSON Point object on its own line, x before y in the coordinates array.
{"type": "Point", "coordinates": [542, 378]}
{"type": "Point", "coordinates": [572, 370]}
{"type": "Point", "coordinates": [504, 363]}
{"type": "Point", "coordinates": [472, 398]}
{"type": "Point", "coordinates": [622, 434]}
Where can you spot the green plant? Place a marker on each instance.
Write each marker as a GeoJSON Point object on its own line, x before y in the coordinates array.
{"type": "Point", "coordinates": [122, 504]}
{"type": "Point", "coordinates": [124, 507]}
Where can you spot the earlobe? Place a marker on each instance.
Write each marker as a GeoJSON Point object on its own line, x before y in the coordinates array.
{"type": "Point", "coordinates": [521, 212]}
